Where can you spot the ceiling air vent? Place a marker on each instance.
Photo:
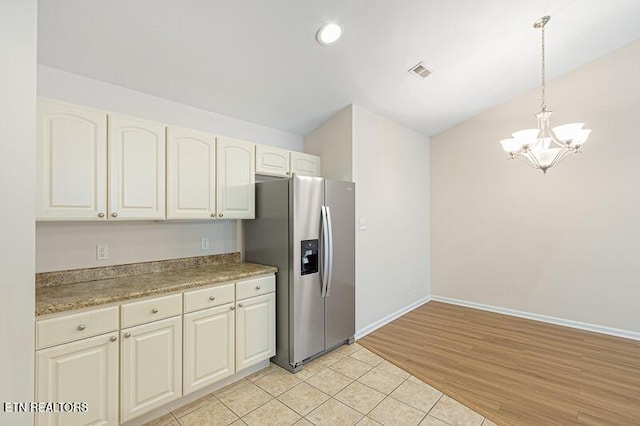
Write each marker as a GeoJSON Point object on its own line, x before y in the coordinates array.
{"type": "Point", "coordinates": [420, 71]}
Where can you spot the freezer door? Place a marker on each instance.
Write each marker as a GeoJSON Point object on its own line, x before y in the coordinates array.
{"type": "Point", "coordinates": [341, 296]}
{"type": "Point", "coordinates": [307, 304]}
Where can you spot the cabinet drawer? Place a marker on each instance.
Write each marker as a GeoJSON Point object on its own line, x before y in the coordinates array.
{"type": "Point", "coordinates": [208, 297]}
{"type": "Point", "coordinates": [255, 287]}
{"type": "Point", "coordinates": [151, 310]}
{"type": "Point", "coordinates": [77, 326]}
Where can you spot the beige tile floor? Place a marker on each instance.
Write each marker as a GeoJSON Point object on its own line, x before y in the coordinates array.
{"type": "Point", "coordinates": [348, 386]}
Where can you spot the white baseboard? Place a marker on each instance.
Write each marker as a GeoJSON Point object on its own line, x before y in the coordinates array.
{"type": "Point", "coordinates": [543, 318]}
{"type": "Point", "coordinates": [397, 314]}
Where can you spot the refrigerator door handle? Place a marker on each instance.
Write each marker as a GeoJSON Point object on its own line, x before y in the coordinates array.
{"type": "Point", "coordinates": [330, 252]}
{"type": "Point", "coordinates": [324, 272]}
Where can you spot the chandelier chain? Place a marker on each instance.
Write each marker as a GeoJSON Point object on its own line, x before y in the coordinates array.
{"type": "Point", "coordinates": [543, 103]}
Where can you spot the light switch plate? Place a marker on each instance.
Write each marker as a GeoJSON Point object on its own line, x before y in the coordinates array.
{"type": "Point", "coordinates": [362, 223]}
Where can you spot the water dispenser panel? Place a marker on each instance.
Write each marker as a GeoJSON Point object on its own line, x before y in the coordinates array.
{"type": "Point", "coordinates": [309, 257]}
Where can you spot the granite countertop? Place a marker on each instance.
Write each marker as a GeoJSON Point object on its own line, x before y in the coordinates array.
{"type": "Point", "coordinates": [59, 298]}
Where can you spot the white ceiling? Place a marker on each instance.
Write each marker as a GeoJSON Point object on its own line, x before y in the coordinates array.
{"type": "Point", "coordinates": [258, 60]}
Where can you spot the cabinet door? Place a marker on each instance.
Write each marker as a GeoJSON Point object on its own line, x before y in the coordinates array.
{"type": "Point", "coordinates": [208, 346]}
{"type": "Point", "coordinates": [136, 169]}
{"type": "Point", "coordinates": [85, 372]}
{"type": "Point", "coordinates": [191, 174]}
{"type": "Point", "coordinates": [236, 179]}
{"type": "Point", "coordinates": [272, 161]}
{"type": "Point", "coordinates": [151, 366]}
{"type": "Point", "coordinates": [71, 162]}
{"type": "Point", "coordinates": [305, 164]}
{"type": "Point", "coordinates": [255, 330]}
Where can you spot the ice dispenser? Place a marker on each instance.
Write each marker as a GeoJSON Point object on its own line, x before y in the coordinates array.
{"type": "Point", "coordinates": [309, 257]}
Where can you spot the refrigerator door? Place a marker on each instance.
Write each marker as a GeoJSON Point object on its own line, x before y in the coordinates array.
{"type": "Point", "coordinates": [306, 315]}
{"type": "Point", "coordinates": [341, 296]}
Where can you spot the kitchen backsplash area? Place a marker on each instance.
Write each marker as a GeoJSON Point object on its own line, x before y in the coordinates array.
{"type": "Point", "coordinates": [65, 245]}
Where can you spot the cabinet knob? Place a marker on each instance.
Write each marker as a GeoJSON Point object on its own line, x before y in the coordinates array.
{"type": "Point", "coordinates": [127, 334]}
{"type": "Point", "coordinates": [220, 215]}
{"type": "Point", "coordinates": [212, 298]}
{"type": "Point", "coordinates": [114, 214]}
{"type": "Point", "coordinates": [113, 338]}
{"type": "Point", "coordinates": [154, 310]}
{"type": "Point", "coordinates": [240, 305]}
{"type": "Point", "coordinates": [100, 214]}
{"type": "Point", "coordinates": [213, 215]}
{"type": "Point", "coordinates": [257, 287]}
{"type": "Point", "coordinates": [81, 327]}
{"type": "Point", "coordinates": [233, 308]}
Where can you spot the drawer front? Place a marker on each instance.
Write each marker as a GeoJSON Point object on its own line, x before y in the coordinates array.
{"type": "Point", "coordinates": [69, 328]}
{"type": "Point", "coordinates": [255, 287]}
{"type": "Point", "coordinates": [208, 297]}
{"type": "Point", "coordinates": [151, 310]}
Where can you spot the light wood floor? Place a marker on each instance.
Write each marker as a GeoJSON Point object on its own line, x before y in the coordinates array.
{"type": "Point", "coordinates": [516, 371]}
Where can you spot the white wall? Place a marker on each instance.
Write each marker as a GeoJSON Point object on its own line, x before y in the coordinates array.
{"type": "Point", "coordinates": [17, 174]}
{"type": "Point", "coordinates": [68, 246]}
{"type": "Point", "coordinates": [332, 142]}
{"type": "Point", "coordinates": [564, 244]}
{"type": "Point", "coordinates": [73, 245]}
{"type": "Point", "coordinates": [57, 84]}
{"type": "Point", "coordinates": [391, 171]}
{"type": "Point", "coordinates": [390, 166]}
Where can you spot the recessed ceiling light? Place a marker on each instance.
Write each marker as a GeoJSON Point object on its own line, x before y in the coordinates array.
{"type": "Point", "coordinates": [328, 34]}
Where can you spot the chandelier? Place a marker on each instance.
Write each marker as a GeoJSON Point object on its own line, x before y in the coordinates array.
{"type": "Point", "coordinates": [543, 147]}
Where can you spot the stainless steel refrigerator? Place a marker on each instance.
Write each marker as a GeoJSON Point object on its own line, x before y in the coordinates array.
{"type": "Point", "coordinates": [306, 227]}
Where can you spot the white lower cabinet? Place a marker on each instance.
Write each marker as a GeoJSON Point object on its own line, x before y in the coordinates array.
{"type": "Point", "coordinates": [157, 356]}
{"type": "Point", "coordinates": [209, 349]}
{"type": "Point", "coordinates": [255, 330]}
{"type": "Point", "coordinates": [85, 371]}
{"type": "Point", "coordinates": [151, 366]}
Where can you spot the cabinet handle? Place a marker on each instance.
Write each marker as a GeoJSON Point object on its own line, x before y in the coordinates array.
{"type": "Point", "coordinates": [113, 338]}
{"type": "Point", "coordinates": [233, 308]}
{"type": "Point", "coordinates": [240, 305]}
{"type": "Point", "coordinates": [100, 214]}
{"type": "Point", "coordinates": [114, 214]}
{"type": "Point", "coordinates": [213, 215]}
{"type": "Point", "coordinates": [154, 310]}
{"type": "Point", "coordinates": [212, 298]}
{"type": "Point", "coordinates": [257, 287]}
{"type": "Point", "coordinates": [127, 334]}
{"type": "Point", "coordinates": [220, 215]}
{"type": "Point", "coordinates": [81, 327]}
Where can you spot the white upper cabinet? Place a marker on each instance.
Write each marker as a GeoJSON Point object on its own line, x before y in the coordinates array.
{"type": "Point", "coordinates": [71, 162]}
{"type": "Point", "coordinates": [136, 169]}
{"type": "Point", "coordinates": [272, 161]}
{"type": "Point", "coordinates": [236, 179]}
{"type": "Point", "coordinates": [191, 174]}
{"type": "Point", "coordinates": [305, 164]}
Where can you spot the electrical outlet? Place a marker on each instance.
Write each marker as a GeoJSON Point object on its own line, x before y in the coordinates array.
{"type": "Point", "coordinates": [204, 243]}
{"type": "Point", "coordinates": [102, 252]}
